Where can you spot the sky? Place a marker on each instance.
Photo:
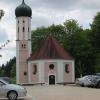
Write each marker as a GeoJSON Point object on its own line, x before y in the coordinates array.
{"type": "Point", "coordinates": [44, 13]}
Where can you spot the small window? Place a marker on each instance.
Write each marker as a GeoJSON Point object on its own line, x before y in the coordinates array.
{"type": "Point", "coordinates": [23, 21]}
{"type": "Point", "coordinates": [51, 66]}
{"type": "Point", "coordinates": [18, 29]}
{"type": "Point", "coordinates": [24, 46]}
{"type": "Point", "coordinates": [23, 29]}
{"type": "Point", "coordinates": [67, 68]}
{"type": "Point", "coordinates": [25, 73]}
{"type": "Point", "coordinates": [28, 29]}
{"type": "Point", "coordinates": [34, 69]}
{"type": "Point", "coordinates": [18, 21]}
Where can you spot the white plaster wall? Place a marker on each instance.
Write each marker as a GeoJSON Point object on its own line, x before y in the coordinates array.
{"type": "Point", "coordinates": [29, 48]}
{"type": "Point", "coordinates": [71, 75]}
{"type": "Point", "coordinates": [73, 71]}
{"type": "Point", "coordinates": [17, 62]}
{"type": "Point", "coordinates": [29, 73]}
{"type": "Point", "coordinates": [41, 72]}
{"type": "Point", "coordinates": [23, 35]}
{"type": "Point", "coordinates": [60, 72]}
{"type": "Point", "coordinates": [60, 69]}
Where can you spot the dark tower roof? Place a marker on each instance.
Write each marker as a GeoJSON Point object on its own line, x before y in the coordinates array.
{"type": "Point", "coordinates": [51, 49]}
{"type": "Point", "coordinates": [23, 10]}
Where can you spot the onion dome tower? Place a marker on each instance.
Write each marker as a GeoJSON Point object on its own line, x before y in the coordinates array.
{"type": "Point", "coordinates": [23, 15]}
{"type": "Point", "coordinates": [23, 10]}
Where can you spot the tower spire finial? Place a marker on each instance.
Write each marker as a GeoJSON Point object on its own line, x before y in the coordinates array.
{"type": "Point", "coordinates": [23, 1]}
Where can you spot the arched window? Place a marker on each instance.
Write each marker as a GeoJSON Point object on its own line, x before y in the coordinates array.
{"type": "Point", "coordinates": [67, 68]}
{"type": "Point", "coordinates": [18, 29]}
{"type": "Point", "coordinates": [18, 21]}
{"type": "Point", "coordinates": [24, 46]}
{"type": "Point", "coordinates": [23, 29]}
{"type": "Point", "coordinates": [23, 21]}
{"type": "Point", "coordinates": [28, 29]}
{"type": "Point", "coordinates": [34, 69]}
{"type": "Point", "coordinates": [25, 73]}
{"type": "Point", "coordinates": [51, 66]}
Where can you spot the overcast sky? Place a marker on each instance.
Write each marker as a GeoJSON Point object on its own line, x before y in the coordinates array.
{"type": "Point", "coordinates": [45, 13]}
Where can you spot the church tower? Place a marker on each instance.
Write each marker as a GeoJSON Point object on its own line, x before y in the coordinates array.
{"type": "Point", "coordinates": [23, 41]}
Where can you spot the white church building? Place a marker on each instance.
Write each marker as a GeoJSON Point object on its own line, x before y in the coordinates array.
{"type": "Point", "coordinates": [51, 64]}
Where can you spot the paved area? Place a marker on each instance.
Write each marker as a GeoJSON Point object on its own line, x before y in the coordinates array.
{"type": "Point", "coordinates": [60, 92]}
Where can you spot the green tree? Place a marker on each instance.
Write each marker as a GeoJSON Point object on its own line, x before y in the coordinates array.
{"type": "Point", "coordinates": [1, 71]}
{"type": "Point", "coordinates": [1, 13]}
{"type": "Point", "coordinates": [95, 32]}
{"type": "Point", "coordinates": [39, 35]}
{"type": "Point", "coordinates": [13, 70]}
{"type": "Point", "coordinates": [9, 66]}
{"type": "Point", "coordinates": [83, 53]}
{"type": "Point", "coordinates": [71, 26]}
{"type": "Point", "coordinates": [77, 43]}
{"type": "Point", "coordinates": [13, 73]}
{"type": "Point", "coordinates": [74, 39]}
{"type": "Point", "coordinates": [95, 38]}
{"type": "Point", "coordinates": [98, 63]}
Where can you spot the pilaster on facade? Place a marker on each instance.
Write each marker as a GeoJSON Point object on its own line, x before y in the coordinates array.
{"type": "Point", "coordinates": [73, 71]}
{"type": "Point", "coordinates": [29, 73]}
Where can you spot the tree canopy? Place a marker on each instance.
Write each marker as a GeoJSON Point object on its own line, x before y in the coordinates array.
{"type": "Point", "coordinates": [1, 13]}
{"type": "Point", "coordinates": [74, 39]}
{"type": "Point", "coordinates": [95, 32]}
{"type": "Point", "coordinates": [82, 44]}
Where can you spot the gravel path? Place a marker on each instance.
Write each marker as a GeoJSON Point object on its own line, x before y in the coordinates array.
{"type": "Point", "coordinates": [61, 92]}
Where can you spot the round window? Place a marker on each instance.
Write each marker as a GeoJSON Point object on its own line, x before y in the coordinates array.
{"type": "Point", "coordinates": [51, 66]}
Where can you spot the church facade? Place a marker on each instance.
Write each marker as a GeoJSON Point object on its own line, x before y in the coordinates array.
{"type": "Point", "coordinates": [51, 64]}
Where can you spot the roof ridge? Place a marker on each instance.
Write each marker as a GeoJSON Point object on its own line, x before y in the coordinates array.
{"type": "Point", "coordinates": [51, 49]}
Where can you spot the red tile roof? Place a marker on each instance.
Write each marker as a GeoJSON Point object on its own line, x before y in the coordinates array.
{"type": "Point", "coordinates": [51, 49]}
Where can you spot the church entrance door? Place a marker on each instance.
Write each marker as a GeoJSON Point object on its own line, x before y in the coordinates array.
{"type": "Point", "coordinates": [52, 79]}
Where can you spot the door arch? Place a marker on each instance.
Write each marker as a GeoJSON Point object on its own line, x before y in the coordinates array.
{"type": "Point", "coordinates": [52, 79]}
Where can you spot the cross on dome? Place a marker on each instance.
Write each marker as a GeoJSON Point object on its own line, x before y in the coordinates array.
{"type": "Point", "coordinates": [23, 1]}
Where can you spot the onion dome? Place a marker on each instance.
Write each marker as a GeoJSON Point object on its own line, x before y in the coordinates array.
{"type": "Point", "coordinates": [23, 10]}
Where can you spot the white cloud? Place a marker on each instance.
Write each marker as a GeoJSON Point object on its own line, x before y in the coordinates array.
{"type": "Point", "coordinates": [3, 34]}
{"type": "Point", "coordinates": [7, 52]}
{"type": "Point", "coordinates": [90, 4]}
